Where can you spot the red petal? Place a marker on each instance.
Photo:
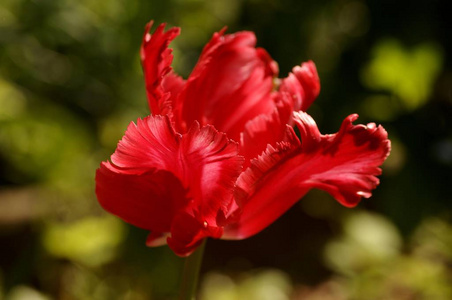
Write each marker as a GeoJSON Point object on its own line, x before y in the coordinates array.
{"type": "Point", "coordinates": [303, 84]}
{"type": "Point", "coordinates": [150, 144]}
{"type": "Point", "coordinates": [148, 201]}
{"type": "Point", "coordinates": [265, 130]}
{"type": "Point", "coordinates": [156, 174]}
{"type": "Point", "coordinates": [156, 239]}
{"type": "Point", "coordinates": [187, 234]}
{"type": "Point", "coordinates": [343, 164]}
{"type": "Point", "coordinates": [230, 85]}
{"type": "Point", "coordinates": [162, 86]}
{"type": "Point", "coordinates": [211, 167]}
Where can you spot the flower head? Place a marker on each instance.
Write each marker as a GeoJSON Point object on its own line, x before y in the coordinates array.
{"type": "Point", "coordinates": [218, 157]}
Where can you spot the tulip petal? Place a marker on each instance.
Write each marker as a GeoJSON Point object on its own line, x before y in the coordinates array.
{"type": "Point", "coordinates": [156, 239]}
{"type": "Point", "coordinates": [162, 85]}
{"type": "Point", "coordinates": [152, 143]}
{"type": "Point", "coordinates": [211, 167]}
{"type": "Point", "coordinates": [230, 85]}
{"type": "Point", "coordinates": [187, 234]}
{"type": "Point", "coordinates": [266, 130]}
{"type": "Point", "coordinates": [344, 164]}
{"type": "Point", "coordinates": [156, 174]}
{"type": "Point", "coordinates": [149, 200]}
{"type": "Point", "coordinates": [303, 84]}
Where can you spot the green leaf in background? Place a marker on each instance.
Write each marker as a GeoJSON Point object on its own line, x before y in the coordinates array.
{"type": "Point", "coordinates": [407, 73]}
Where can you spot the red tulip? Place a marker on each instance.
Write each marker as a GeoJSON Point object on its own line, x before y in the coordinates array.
{"type": "Point", "coordinates": [218, 157]}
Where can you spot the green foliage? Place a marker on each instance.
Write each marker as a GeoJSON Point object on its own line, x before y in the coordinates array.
{"type": "Point", "coordinates": [259, 285]}
{"type": "Point", "coordinates": [90, 240]}
{"type": "Point", "coordinates": [407, 74]}
{"type": "Point", "coordinates": [367, 240]}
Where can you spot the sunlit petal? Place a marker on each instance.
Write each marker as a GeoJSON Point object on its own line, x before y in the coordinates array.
{"type": "Point", "coordinates": [303, 85]}
{"type": "Point", "coordinates": [162, 85]}
{"type": "Point", "coordinates": [344, 164]}
{"type": "Point", "coordinates": [156, 175]}
{"type": "Point", "coordinates": [230, 85]}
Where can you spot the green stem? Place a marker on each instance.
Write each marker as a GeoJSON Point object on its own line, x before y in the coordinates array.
{"type": "Point", "coordinates": [191, 273]}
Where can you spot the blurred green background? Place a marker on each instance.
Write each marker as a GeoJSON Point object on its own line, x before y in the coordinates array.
{"type": "Point", "coordinates": [71, 81]}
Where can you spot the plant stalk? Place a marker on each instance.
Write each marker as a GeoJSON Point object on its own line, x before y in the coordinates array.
{"type": "Point", "coordinates": [190, 274]}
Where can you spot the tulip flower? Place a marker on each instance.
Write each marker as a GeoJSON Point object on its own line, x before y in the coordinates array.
{"type": "Point", "coordinates": [218, 157]}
